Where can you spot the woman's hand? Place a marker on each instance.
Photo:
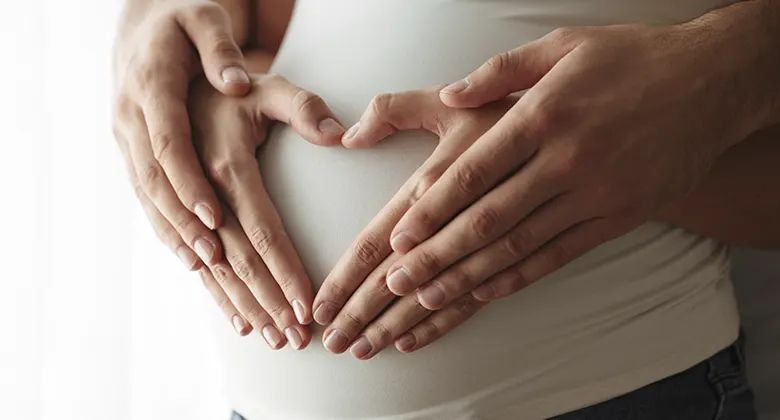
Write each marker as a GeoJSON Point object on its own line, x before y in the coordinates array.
{"type": "Point", "coordinates": [261, 280]}
{"type": "Point", "coordinates": [155, 63]}
{"type": "Point", "coordinates": [355, 292]}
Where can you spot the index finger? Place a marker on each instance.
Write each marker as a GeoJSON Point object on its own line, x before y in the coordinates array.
{"type": "Point", "coordinates": [501, 151]}
{"type": "Point", "coordinates": [168, 122]}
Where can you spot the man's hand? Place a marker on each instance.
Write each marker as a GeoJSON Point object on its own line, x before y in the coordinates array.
{"type": "Point", "coordinates": [261, 280]}
{"type": "Point", "coordinates": [616, 123]}
{"type": "Point", "coordinates": [155, 64]}
{"type": "Point", "coordinates": [355, 292]}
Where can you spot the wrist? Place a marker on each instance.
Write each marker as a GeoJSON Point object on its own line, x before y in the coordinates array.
{"type": "Point", "coordinates": [744, 63]}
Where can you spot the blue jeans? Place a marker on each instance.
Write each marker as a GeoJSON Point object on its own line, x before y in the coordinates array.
{"type": "Point", "coordinates": [715, 389]}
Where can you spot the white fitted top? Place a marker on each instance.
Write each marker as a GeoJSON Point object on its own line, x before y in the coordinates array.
{"type": "Point", "coordinates": [635, 310]}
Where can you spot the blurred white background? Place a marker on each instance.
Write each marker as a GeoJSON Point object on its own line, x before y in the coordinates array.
{"type": "Point", "coordinates": [97, 320]}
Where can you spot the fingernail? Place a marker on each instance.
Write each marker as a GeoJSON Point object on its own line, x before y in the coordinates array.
{"type": "Point", "coordinates": [241, 326]}
{"type": "Point", "coordinates": [300, 312]}
{"type": "Point", "coordinates": [406, 342]}
{"type": "Point", "coordinates": [187, 257]}
{"type": "Point", "coordinates": [293, 337]}
{"type": "Point", "coordinates": [402, 242]}
{"type": "Point", "coordinates": [235, 75]}
{"type": "Point", "coordinates": [325, 313]}
{"type": "Point", "coordinates": [204, 249]}
{"type": "Point", "coordinates": [351, 132]}
{"type": "Point", "coordinates": [432, 296]}
{"type": "Point", "coordinates": [205, 215]}
{"type": "Point", "coordinates": [331, 126]}
{"type": "Point", "coordinates": [272, 336]}
{"type": "Point", "coordinates": [336, 341]}
{"type": "Point", "coordinates": [361, 348]}
{"type": "Point", "coordinates": [398, 281]}
{"type": "Point", "coordinates": [456, 87]}
{"type": "Point", "coordinates": [484, 293]}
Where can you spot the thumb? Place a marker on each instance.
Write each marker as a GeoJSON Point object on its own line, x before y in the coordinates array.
{"type": "Point", "coordinates": [392, 112]}
{"type": "Point", "coordinates": [208, 26]}
{"type": "Point", "coordinates": [506, 73]}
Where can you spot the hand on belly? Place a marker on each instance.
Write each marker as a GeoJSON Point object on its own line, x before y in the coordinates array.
{"type": "Point", "coordinates": [260, 283]}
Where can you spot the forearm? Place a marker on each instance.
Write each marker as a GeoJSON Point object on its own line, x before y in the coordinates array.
{"type": "Point", "coordinates": [739, 202]}
{"type": "Point", "coordinates": [746, 78]}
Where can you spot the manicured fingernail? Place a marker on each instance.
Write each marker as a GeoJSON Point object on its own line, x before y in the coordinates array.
{"type": "Point", "coordinates": [325, 313]}
{"type": "Point", "coordinates": [398, 281]}
{"type": "Point", "coordinates": [300, 312]}
{"type": "Point", "coordinates": [241, 326]}
{"type": "Point", "coordinates": [406, 342]}
{"type": "Point", "coordinates": [361, 348]}
{"type": "Point", "coordinates": [402, 242]}
{"type": "Point", "coordinates": [456, 87]}
{"type": "Point", "coordinates": [484, 293]}
{"type": "Point", "coordinates": [205, 215]}
{"type": "Point", "coordinates": [351, 132]}
{"type": "Point", "coordinates": [336, 341]}
{"type": "Point", "coordinates": [330, 126]}
{"type": "Point", "coordinates": [294, 337]}
{"type": "Point", "coordinates": [187, 257]}
{"type": "Point", "coordinates": [204, 249]}
{"type": "Point", "coordinates": [234, 75]}
{"type": "Point", "coordinates": [272, 336]}
{"type": "Point", "coordinates": [432, 296]}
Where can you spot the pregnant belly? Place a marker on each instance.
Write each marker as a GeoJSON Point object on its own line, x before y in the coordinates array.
{"type": "Point", "coordinates": [658, 297]}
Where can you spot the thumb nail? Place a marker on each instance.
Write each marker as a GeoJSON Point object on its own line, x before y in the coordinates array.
{"type": "Point", "coordinates": [234, 75]}
{"type": "Point", "coordinates": [456, 87]}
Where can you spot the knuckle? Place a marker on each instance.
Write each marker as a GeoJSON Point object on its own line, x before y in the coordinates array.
{"type": "Point", "coordinates": [225, 306]}
{"type": "Point", "coordinates": [220, 274]}
{"type": "Point", "coordinates": [150, 176]}
{"type": "Point", "coordinates": [519, 242]}
{"type": "Point", "coordinates": [184, 223]}
{"type": "Point", "coordinates": [263, 240]}
{"type": "Point", "coordinates": [223, 171]}
{"type": "Point", "coordinates": [354, 320]}
{"type": "Point", "coordinates": [161, 145]}
{"type": "Point", "coordinates": [430, 330]}
{"type": "Point", "coordinates": [254, 316]}
{"type": "Point", "coordinates": [138, 190]}
{"type": "Point", "coordinates": [470, 178]}
{"type": "Point", "coordinates": [337, 293]}
{"type": "Point", "coordinates": [466, 307]}
{"type": "Point", "coordinates": [516, 280]}
{"type": "Point", "coordinates": [125, 107]}
{"type": "Point", "coordinates": [381, 288]}
{"type": "Point", "coordinates": [563, 34]}
{"type": "Point", "coordinates": [499, 63]}
{"type": "Point", "coordinates": [244, 267]}
{"type": "Point", "coordinates": [304, 101]}
{"type": "Point", "coordinates": [381, 104]}
{"type": "Point", "coordinates": [205, 11]}
{"type": "Point", "coordinates": [424, 182]}
{"type": "Point", "coordinates": [455, 275]}
{"type": "Point", "coordinates": [276, 311]}
{"type": "Point", "coordinates": [429, 262]}
{"type": "Point", "coordinates": [545, 115]}
{"type": "Point", "coordinates": [424, 221]}
{"type": "Point", "coordinates": [367, 250]}
{"type": "Point", "coordinates": [382, 333]}
{"type": "Point", "coordinates": [557, 254]}
{"type": "Point", "coordinates": [286, 283]}
{"type": "Point", "coordinates": [484, 222]}
{"type": "Point", "coordinates": [223, 45]}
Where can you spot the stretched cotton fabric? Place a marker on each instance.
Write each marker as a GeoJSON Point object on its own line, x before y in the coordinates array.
{"type": "Point", "coordinates": [635, 310]}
